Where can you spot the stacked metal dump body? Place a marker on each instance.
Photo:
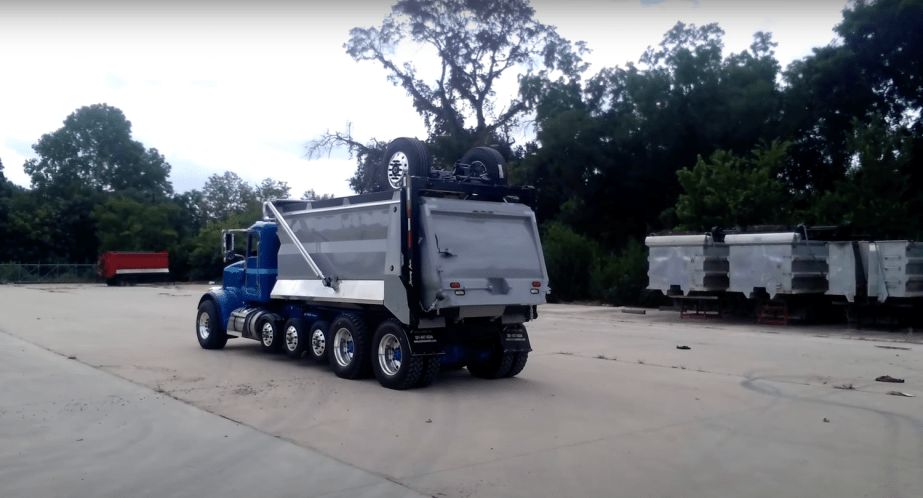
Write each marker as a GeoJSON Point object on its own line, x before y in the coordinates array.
{"type": "Point", "coordinates": [680, 264]}
{"type": "Point", "coordinates": [776, 263]}
{"type": "Point", "coordinates": [787, 267]}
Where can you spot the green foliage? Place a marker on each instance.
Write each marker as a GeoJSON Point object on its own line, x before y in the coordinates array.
{"type": "Point", "coordinates": [205, 257]}
{"type": "Point", "coordinates": [607, 151]}
{"type": "Point", "coordinates": [875, 196]}
{"type": "Point", "coordinates": [620, 279]}
{"type": "Point", "coordinates": [271, 189]}
{"type": "Point", "coordinates": [731, 191]}
{"type": "Point", "coordinates": [94, 150]}
{"type": "Point", "coordinates": [311, 195]}
{"type": "Point", "coordinates": [580, 270]}
{"type": "Point", "coordinates": [224, 195]}
{"type": "Point", "coordinates": [569, 260]}
{"type": "Point", "coordinates": [124, 224]}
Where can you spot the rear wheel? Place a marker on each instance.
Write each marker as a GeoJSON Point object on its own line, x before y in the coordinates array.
{"type": "Point", "coordinates": [403, 155]}
{"type": "Point", "coordinates": [295, 339]}
{"type": "Point", "coordinates": [394, 366]}
{"type": "Point", "coordinates": [270, 336]}
{"type": "Point", "coordinates": [208, 327]}
{"type": "Point", "coordinates": [498, 365]}
{"type": "Point", "coordinates": [431, 368]}
{"type": "Point", "coordinates": [318, 339]}
{"type": "Point", "coordinates": [348, 347]}
{"type": "Point", "coordinates": [519, 362]}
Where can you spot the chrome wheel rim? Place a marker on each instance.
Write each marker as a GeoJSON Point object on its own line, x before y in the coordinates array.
{"type": "Point", "coordinates": [318, 342]}
{"type": "Point", "coordinates": [343, 347]}
{"type": "Point", "coordinates": [390, 354]}
{"type": "Point", "coordinates": [267, 334]}
{"type": "Point", "coordinates": [203, 326]}
{"type": "Point", "coordinates": [396, 167]}
{"type": "Point", "coordinates": [291, 338]}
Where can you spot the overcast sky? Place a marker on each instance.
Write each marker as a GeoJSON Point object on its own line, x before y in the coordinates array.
{"type": "Point", "coordinates": [242, 86]}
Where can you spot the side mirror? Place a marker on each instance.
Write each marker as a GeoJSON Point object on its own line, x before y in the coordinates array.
{"type": "Point", "coordinates": [227, 245]}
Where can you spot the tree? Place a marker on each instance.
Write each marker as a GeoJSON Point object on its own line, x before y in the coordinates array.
{"type": "Point", "coordinates": [206, 260]}
{"type": "Point", "coordinates": [310, 195]}
{"type": "Point", "coordinates": [607, 150]}
{"type": "Point", "coordinates": [271, 189]}
{"type": "Point", "coordinates": [477, 43]}
{"type": "Point", "coordinates": [123, 224]}
{"type": "Point", "coordinates": [875, 196]}
{"type": "Point", "coordinates": [226, 194]}
{"type": "Point", "coordinates": [732, 191]}
{"type": "Point", "coordinates": [885, 36]}
{"type": "Point", "coordinates": [94, 150]}
{"type": "Point", "coordinates": [873, 69]}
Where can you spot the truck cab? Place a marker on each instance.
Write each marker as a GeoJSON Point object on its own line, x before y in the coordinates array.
{"type": "Point", "coordinates": [253, 276]}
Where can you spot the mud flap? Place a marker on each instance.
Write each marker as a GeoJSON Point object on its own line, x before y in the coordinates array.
{"type": "Point", "coordinates": [425, 343]}
{"type": "Point", "coordinates": [515, 339]}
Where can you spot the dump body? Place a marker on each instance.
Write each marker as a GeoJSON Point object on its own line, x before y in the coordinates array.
{"type": "Point", "coordinates": [894, 269]}
{"type": "Point", "coordinates": [459, 257]}
{"type": "Point", "coordinates": [686, 263]}
{"type": "Point", "coordinates": [112, 264]}
{"type": "Point", "coordinates": [777, 263]}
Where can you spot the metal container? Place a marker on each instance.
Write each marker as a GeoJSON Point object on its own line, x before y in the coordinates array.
{"type": "Point", "coordinates": [846, 275]}
{"type": "Point", "coordinates": [684, 263]}
{"type": "Point", "coordinates": [894, 269]}
{"type": "Point", "coordinates": [777, 263]}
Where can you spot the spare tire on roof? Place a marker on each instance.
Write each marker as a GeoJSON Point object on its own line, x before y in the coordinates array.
{"type": "Point", "coordinates": [484, 160]}
{"type": "Point", "coordinates": [403, 154]}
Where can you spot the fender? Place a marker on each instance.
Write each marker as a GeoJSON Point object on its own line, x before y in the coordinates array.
{"type": "Point", "coordinates": [226, 300]}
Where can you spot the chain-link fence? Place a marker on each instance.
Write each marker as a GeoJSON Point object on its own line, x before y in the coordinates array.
{"type": "Point", "coordinates": [19, 273]}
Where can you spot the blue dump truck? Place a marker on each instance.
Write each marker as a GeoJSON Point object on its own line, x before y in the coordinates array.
{"type": "Point", "coordinates": [441, 270]}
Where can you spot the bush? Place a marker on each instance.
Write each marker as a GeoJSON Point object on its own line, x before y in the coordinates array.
{"type": "Point", "coordinates": [569, 259]}
{"type": "Point", "coordinates": [579, 270]}
{"type": "Point", "coordinates": [620, 279]}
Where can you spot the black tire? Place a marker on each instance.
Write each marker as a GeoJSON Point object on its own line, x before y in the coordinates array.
{"type": "Point", "coordinates": [519, 362]}
{"type": "Point", "coordinates": [208, 327]}
{"type": "Point", "coordinates": [348, 347]}
{"type": "Point", "coordinates": [318, 338]}
{"type": "Point", "coordinates": [294, 338]}
{"type": "Point", "coordinates": [112, 282]}
{"type": "Point", "coordinates": [394, 366]}
{"type": "Point", "coordinates": [431, 368]}
{"type": "Point", "coordinates": [487, 160]}
{"type": "Point", "coordinates": [403, 152]}
{"type": "Point", "coordinates": [497, 366]}
{"type": "Point", "coordinates": [270, 335]}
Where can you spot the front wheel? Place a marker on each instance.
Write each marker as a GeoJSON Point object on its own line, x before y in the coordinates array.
{"type": "Point", "coordinates": [208, 327]}
{"type": "Point", "coordinates": [394, 366]}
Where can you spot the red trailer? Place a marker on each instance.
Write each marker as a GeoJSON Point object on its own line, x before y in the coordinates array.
{"type": "Point", "coordinates": [122, 268]}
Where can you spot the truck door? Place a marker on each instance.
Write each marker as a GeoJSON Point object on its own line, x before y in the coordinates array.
{"type": "Point", "coordinates": [252, 283]}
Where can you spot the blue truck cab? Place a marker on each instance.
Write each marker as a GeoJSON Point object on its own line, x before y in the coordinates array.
{"type": "Point", "coordinates": [248, 281]}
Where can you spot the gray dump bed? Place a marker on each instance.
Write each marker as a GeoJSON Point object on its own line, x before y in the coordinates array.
{"type": "Point", "coordinates": [491, 250]}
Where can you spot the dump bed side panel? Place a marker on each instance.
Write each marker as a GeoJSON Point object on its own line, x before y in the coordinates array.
{"type": "Point", "coordinates": [355, 244]}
